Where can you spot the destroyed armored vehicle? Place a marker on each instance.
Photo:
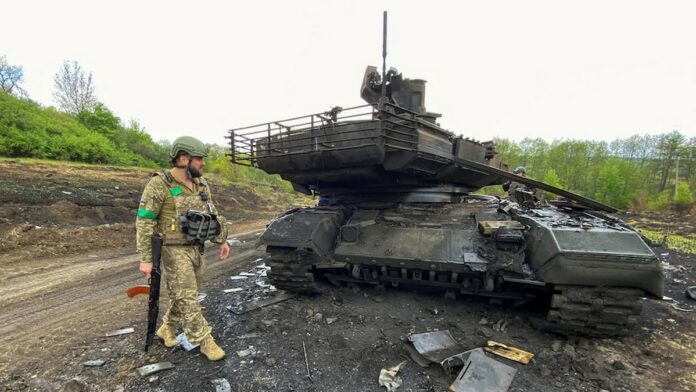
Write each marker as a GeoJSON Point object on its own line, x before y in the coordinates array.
{"type": "Point", "coordinates": [397, 208]}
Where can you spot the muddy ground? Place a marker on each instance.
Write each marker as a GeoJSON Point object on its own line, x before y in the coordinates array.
{"type": "Point", "coordinates": [65, 273]}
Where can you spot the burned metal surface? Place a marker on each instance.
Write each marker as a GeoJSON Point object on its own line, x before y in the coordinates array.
{"type": "Point", "coordinates": [483, 374]}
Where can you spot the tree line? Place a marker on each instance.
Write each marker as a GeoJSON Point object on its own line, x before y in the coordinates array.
{"type": "Point", "coordinates": [84, 129]}
{"type": "Point", "coordinates": [652, 172]}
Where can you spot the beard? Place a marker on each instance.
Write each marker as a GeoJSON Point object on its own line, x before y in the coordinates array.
{"type": "Point", "coordinates": [195, 173]}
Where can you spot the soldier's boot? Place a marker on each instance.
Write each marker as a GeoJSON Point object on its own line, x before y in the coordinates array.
{"type": "Point", "coordinates": [210, 349]}
{"type": "Point", "coordinates": [168, 335]}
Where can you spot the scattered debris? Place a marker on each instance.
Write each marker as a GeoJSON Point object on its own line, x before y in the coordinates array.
{"type": "Point", "coordinates": [309, 374]}
{"type": "Point", "coordinates": [239, 277]}
{"type": "Point", "coordinates": [185, 344]}
{"type": "Point", "coordinates": [691, 292]}
{"type": "Point", "coordinates": [153, 378]}
{"type": "Point", "coordinates": [511, 353]}
{"type": "Point", "coordinates": [249, 336]}
{"type": "Point", "coordinates": [234, 290]}
{"type": "Point", "coordinates": [201, 296]}
{"type": "Point", "coordinates": [389, 379]}
{"type": "Point", "coordinates": [481, 373]}
{"type": "Point", "coordinates": [221, 385]}
{"type": "Point", "coordinates": [234, 242]}
{"type": "Point", "coordinates": [94, 363]}
{"type": "Point", "coordinates": [118, 332]}
{"type": "Point", "coordinates": [428, 347]}
{"type": "Point", "coordinates": [556, 346]}
{"type": "Point", "coordinates": [247, 274]}
{"type": "Point", "coordinates": [501, 325]}
{"type": "Point", "coordinates": [154, 368]}
{"type": "Point", "coordinates": [270, 362]}
{"type": "Point", "coordinates": [331, 320]}
{"type": "Point", "coordinates": [247, 307]}
{"type": "Point", "coordinates": [246, 352]}
{"type": "Point", "coordinates": [67, 193]}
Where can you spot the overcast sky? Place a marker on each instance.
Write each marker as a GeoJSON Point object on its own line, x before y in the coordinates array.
{"type": "Point", "coordinates": [552, 69]}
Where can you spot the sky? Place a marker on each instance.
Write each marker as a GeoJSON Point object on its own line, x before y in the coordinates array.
{"type": "Point", "coordinates": [594, 70]}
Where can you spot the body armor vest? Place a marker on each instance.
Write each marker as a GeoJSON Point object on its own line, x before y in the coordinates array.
{"type": "Point", "coordinates": [194, 221]}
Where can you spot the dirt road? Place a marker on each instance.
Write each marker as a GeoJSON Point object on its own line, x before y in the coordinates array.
{"type": "Point", "coordinates": [48, 311]}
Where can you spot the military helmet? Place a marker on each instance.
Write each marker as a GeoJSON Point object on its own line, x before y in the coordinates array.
{"type": "Point", "coordinates": [519, 169]}
{"type": "Point", "coordinates": [189, 145]}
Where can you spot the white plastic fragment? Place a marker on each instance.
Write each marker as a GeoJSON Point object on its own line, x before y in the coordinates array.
{"type": "Point", "coordinates": [202, 296]}
{"type": "Point", "coordinates": [234, 290]}
{"type": "Point", "coordinates": [389, 379]}
{"type": "Point", "coordinates": [239, 277]}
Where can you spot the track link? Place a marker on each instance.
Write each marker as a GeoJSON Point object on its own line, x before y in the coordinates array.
{"type": "Point", "coordinates": [595, 311]}
{"type": "Point", "coordinates": [291, 270]}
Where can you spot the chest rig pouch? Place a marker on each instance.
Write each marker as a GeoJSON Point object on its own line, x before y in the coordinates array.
{"type": "Point", "coordinates": [198, 223]}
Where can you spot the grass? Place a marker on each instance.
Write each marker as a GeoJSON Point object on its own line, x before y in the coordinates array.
{"type": "Point", "coordinates": [673, 241]}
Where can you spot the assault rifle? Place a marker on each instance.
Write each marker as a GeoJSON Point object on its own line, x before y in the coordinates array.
{"type": "Point", "coordinates": [153, 301]}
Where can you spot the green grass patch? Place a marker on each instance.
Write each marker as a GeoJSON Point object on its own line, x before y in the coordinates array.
{"type": "Point", "coordinates": [679, 243]}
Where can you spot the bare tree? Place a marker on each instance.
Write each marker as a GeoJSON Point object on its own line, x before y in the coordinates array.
{"type": "Point", "coordinates": [10, 78]}
{"type": "Point", "coordinates": [73, 89]}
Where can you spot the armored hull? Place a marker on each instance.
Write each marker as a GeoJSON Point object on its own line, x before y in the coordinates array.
{"type": "Point", "coordinates": [398, 209]}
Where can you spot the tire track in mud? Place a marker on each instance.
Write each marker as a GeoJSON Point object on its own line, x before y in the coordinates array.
{"type": "Point", "coordinates": [45, 313]}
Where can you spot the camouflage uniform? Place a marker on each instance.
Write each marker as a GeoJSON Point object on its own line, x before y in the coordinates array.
{"type": "Point", "coordinates": [164, 200]}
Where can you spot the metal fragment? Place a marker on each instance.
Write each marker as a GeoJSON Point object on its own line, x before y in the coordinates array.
{"type": "Point", "coordinates": [118, 332]}
{"type": "Point", "coordinates": [483, 374]}
{"type": "Point", "coordinates": [234, 290]}
{"type": "Point", "coordinates": [388, 377]}
{"type": "Point", "coordinates": [239, 277]}
{"type": "Point", "coordinates": [435, 346]}
{"type": "Point", "coordinates": [691, 292]}
{"type": "Point", "coordinates": [94, 363]}
{"type": "Point", "coordinates": [154, 368]}
{"type": "Point", "coordinates": [247, 307]}
{"type": "Point", "coordinates": [202, 296]}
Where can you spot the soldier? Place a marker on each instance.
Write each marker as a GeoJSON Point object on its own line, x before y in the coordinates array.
{"type": "Point", "coordinates": [172, 202]}
{"type": "Point", "coordinates": [512, 187]}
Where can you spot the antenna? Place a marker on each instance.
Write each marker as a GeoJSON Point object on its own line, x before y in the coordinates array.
{"type": "Point", "coordinates": [384, 55]}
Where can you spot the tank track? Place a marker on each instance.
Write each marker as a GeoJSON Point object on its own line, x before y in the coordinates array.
{"type": "Point", "coordinates": [291, 270]}
{"type": "Point", "coordinates": [594, 311]}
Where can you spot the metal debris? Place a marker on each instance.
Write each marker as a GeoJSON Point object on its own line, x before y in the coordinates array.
{"type": "Point", "coordinates": [234, 290]}
{"type": "Point", "coordinates": [247, 274]}
{"type": "Point", "coordinates": [331, 320]}
{"type": "Point", "coordinates": [239, 277]}
{"type": "Point", "coordinates": [118, 332]}
{"type": "Point", "coordinates": [483, 374]}
{"type": "Point", "coordinates": [388, 377]}
{"type": "Point", "coordinates": [202, 296]}
{"type": "Point", "coordinates": [94, 363]}
{"type": "Point", "coordinates": [306, 361]}
{"type": "Point", "coordinates": [511, 353]}
{"type": "Point", "coordinates": [433, 347]}
{"type": "Point", "coordinates": [246, 352]}
{"type": "Point", "coordinates": [221, 385]}
{"type": "Point", "coordinates": [247, 307]}
{"type": "Point", "coordinates": [676, 306]}
{"type": "Point", "coordinates": [185, 344]}
{"type": "Point", "coordinates": [249, 336]}
{"type": "Point", "coordinates": [154, 368]}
